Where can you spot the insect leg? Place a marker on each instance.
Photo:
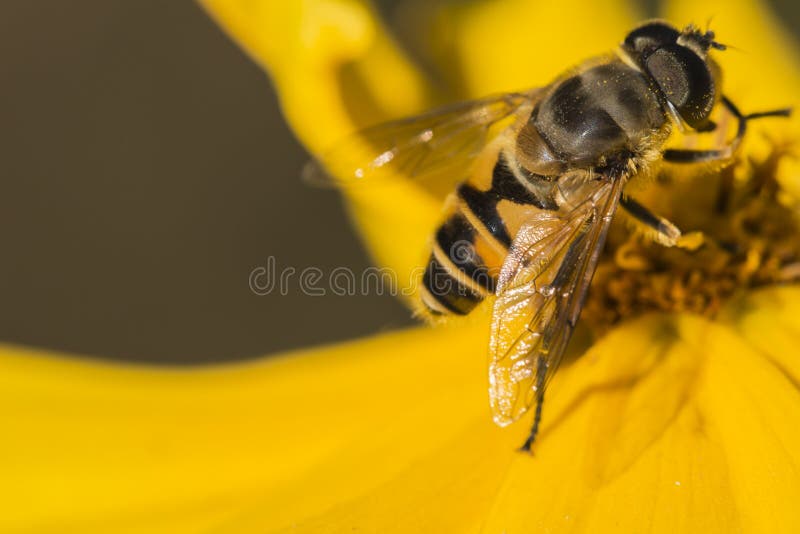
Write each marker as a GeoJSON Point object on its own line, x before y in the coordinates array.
{"type": "Point", "coordinates": [681, 155]}
{"type": "Point", "coordinates": [666, 233]}
{"type": "Point", "coordinates": [541, 373]}
{"type": "Point", "coordinates": [687, 155]}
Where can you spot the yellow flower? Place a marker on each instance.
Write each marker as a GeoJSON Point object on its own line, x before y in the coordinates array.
{"type": "Point", "coordinates": [668, 423]}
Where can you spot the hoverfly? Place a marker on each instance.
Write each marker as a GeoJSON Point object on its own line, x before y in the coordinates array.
{"type": "Point", "coordinates": [529, 228]}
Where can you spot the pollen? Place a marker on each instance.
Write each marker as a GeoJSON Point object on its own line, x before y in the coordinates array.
{"type": "Point", "coordinates": [750, 238]}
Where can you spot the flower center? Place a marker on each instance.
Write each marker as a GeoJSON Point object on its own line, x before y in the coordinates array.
{"type": "Point", "coordinates": [752, 239]}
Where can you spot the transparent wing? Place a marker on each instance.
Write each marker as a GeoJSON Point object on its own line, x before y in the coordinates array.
{"type": "Point", "coordinates": [541, 289]}
{"type": "Point", "coordinates": [434, 149]}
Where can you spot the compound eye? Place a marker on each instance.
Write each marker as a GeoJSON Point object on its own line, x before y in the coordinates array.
{"type": "Point", "coordinates": [686, 81]}
{"type": "Point", "coordinates": [650, 36]}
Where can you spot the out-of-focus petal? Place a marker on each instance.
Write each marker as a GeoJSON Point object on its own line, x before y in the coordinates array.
{"type": "Point", "coordinates": [89, 446]}
{"type": "Point", "coordinates": [332, 61]}
{"type": "Point", "coordinates": [336, 69]}
{"type": "Point", "coordinates": [515, 44]}
{"type": "Point", "coordinates": [761, 66]}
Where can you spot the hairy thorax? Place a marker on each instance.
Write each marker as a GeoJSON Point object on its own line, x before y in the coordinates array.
{"type": "Point", "coordinates": [601, 113]}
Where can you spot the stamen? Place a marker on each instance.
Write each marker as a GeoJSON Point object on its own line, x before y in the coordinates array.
{"type": "Point", "coordinates": [753, 242]}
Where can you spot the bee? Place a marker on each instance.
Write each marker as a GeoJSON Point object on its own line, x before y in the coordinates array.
{"type": "Point", "coordinates": [536, 179]}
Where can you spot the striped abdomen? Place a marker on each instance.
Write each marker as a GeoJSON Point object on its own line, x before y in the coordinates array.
{"type": "Point", "coordinates": [604, 115]}
{"type": "Point", "coordinates": [470, 246]}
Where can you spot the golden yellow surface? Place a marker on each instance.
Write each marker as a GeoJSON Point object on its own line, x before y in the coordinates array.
{"type": "Point", "coordinates": [670, 423]}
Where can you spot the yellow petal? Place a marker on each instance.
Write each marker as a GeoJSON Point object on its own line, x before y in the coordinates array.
{"type": "Point", "coordinates": [761, 67]}
{"type": "Point", "coordinates": [667, 423]}
{"type": "Point", "coordinates": [88, 445]}
{"type": "Point", "coordinates": [332, 61]}
{"type": "Point", "coordinates": [770, 321]}
{"type": "Point", "coordinates": [335, 70]}
{"type": "Point", "coordinates": [516, 44]}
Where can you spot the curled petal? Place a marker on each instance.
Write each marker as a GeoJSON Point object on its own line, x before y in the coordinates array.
{"type": "Point", "coordinates": [336, 69]}
{"type": "Point", "coordinates": [332, 62]}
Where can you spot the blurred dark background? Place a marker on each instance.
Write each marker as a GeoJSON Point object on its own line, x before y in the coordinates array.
{"type": "Point", "coordinates": [146, 171]}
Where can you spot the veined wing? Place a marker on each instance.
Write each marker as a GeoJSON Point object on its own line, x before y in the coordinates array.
{"type": "Point", "coordinates": [541, 289]}
{"type": "Point", "coordinates": [435, 149]}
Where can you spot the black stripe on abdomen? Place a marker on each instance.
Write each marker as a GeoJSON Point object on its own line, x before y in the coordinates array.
{"type": "Point", "coordinates": [538, 190]}
{"type": "Point", "coordinates": [445, 290]}
{"type": "Point", "coordinates": [456, 242]}
{"type": "Point", "coordinates": [457, 278]}
{"type": "Point", "coordinates": [483, 205]}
